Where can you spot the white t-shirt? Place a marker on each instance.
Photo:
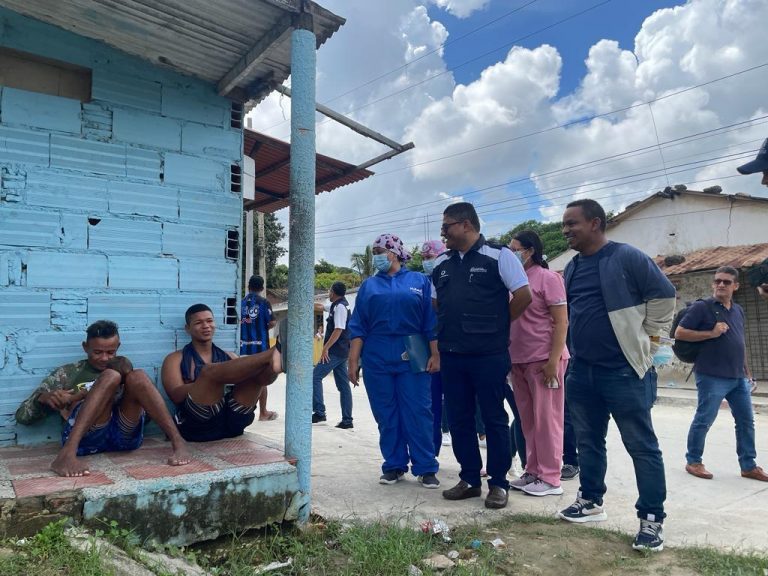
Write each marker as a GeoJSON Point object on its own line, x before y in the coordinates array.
{"type": "Point", "coordinates": [339, 314]}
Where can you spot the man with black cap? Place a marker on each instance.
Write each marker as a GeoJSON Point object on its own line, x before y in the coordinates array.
{"type": "Point", "coordinates": [759, 164]}
{"type": "Point", "coordinates": [334, 357]}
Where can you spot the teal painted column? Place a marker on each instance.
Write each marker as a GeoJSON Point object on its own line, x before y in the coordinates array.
{"type": "Point", "coordinates": [301, 257]}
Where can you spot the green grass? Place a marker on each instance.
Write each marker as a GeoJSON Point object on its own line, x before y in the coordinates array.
{"type": "Point", "coordinates": [535, 545]}
{"type": "Point", "coordinates": [48, 553]}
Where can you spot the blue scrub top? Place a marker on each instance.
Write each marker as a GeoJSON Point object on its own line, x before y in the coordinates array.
{"type": "Point", "coordinates": [388, 308]}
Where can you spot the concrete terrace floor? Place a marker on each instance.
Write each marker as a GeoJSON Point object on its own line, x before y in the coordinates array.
{"type": "Point", "coordinates": [726, 512]}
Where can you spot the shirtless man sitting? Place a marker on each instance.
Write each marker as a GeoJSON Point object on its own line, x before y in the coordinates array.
{"type": "Point", "coordinates": [196, 379]}
{"type": "Point", "coordinates": [102, 400]}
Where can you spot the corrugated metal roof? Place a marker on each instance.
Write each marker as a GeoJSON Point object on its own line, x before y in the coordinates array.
{"type": "Point", "coordinates": [272, 158]}
{"type": "Point", "coordinates": [201, 38]}
{"type": "Point", "coordinates": [711, 258]}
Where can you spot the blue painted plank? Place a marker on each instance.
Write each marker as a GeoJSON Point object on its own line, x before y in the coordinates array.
{"type": "Point", "coordinates": [116, 235]}
{"type": "Point", "coordinates": [137, 273]}
{"type": "Point", "coordinates": [25, 309]}
{"type": "Point", "coordinates": [28, 228]}
{"type": "Point", "coordinates": [213, 142]}
{"type": "Point", "coordinates": [196, 241]}
{"type": "Point", "coordinates": [147, 348]}
{"type": "Point", "coordinates": [87, 155]}
{"type": "Point", "coordinates": [64, 270]}
{"type": "Point", "coordinates": [44, 351]}
{"type": "Point", "coordinates": [210, 209]}
{"type": "Point", "coordinates": [208, 276]}
{"type": "Point", "coordinates": [25, 146]}
{"type": "Point", "coordinates": [20, 107]}
{"type": "Point", "coordinates": [128, 310]}
{"type": "Point", "coordinates": [75, 231]}
{"type": "Point", "coordinates": [143, 199]}
{"type": "Point", "coordinates": [154, 131]}
{"type": "Point", "coordinates": [189, 105]}
{"type": "Point", "coordinates": [143, 164]}
{"type": "Point", "coordinates": [111, 86]}
{"type": "Point", "coordinates": [57, 190]}
{"type": "Point", "coordinates": [195, 172]}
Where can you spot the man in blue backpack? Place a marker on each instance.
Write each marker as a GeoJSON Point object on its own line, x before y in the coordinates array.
{"type": "Point", "coordinates": [721, 372]}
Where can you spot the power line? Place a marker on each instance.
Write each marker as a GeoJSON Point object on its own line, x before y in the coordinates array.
{"type": "Point", "coordinates": [538, 199]}
{"type": "Point", "coordinates": [571, 123]}
{"type": "Point", "coordinates": [472, 60]}
{"type": "Point", "coordinates": [425, 55]}
{"type": "Point", "coordinates": [580, 166]}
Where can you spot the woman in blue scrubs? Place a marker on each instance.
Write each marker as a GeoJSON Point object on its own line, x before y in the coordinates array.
{"type": "Point", "coordinates": [390, 306]}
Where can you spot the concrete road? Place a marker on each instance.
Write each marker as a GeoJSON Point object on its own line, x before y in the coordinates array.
{"type": "Point", "coordinates": [728, 511]}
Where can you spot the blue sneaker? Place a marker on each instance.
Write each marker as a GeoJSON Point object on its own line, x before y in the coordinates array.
{"type": "Point", "coordinates": [650, 537]}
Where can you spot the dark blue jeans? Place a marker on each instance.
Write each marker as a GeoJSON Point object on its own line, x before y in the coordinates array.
{"type": "Point", "coordinates": [711, 392]}
{"type": "Point", "coordinates": [337, 365]}
{"type": "Point", "coordinates": [437, 411]}
{"type": "Point", "coordinates": [478, 380]}
{"type": "Point", "coordinates": [594, 395]}
{"type": "Point", "coordinates": [570, 452]}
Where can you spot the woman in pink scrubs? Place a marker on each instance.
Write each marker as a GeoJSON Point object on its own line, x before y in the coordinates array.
{"type": "Point", "coordinates": [539, 359]}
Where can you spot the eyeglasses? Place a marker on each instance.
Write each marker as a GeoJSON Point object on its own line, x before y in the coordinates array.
{"type": "Point", "coordinates": [722, 281]}
{"type": "Point", "coordinates": [444, 227]}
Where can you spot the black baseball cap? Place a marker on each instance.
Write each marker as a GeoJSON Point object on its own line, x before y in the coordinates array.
{"type": "Point", "coordinates": [759, 164]}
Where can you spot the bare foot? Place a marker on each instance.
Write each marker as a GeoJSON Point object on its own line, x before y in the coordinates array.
{"type": "Point", "coordinates": [181, 455]}
{"type": "Point", "coordinates": [68, 465]}
{"type": "Point", "coordinates": [268, 415]}
{"type": "Point", "coordinates": [277, 361]}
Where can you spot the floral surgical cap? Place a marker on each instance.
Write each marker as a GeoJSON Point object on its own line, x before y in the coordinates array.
{"type": "Point", "coordinates": [432, 248]}
{"type": "Point", "coordinates": [393, 244]}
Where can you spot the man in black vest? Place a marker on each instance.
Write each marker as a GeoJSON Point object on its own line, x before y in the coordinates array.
{"type": "Point", "coordinates": [334, 357]}
{"type": "Point", "coordinates": [472, 283]}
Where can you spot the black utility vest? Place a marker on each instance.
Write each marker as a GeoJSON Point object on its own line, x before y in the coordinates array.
{"type": "Point", "coordinates": [341, 346]}
{"type": "Point", "coordinates": [472, 302]}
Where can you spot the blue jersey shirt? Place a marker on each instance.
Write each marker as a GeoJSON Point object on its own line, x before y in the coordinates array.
{"type": "Point", "coordinates": [591, 335]}
{"type": "Point", "coordinates": [255, 316]}
{"type": "Point", "coordinates": [387, 308]}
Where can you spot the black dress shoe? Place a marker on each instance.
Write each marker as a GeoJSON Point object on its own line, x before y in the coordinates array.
{"type": "Point", "coordinates": [345, 425]}
{"type": "Point", "coordinates": [497, 497]}
{"type": "Point", "coordinates": [462, 491]}
{"type": "Point", "coordinates": [317, 418]}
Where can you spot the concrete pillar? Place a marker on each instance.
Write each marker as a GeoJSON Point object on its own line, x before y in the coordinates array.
{"type": "Point", "coordinates": [301, 256]}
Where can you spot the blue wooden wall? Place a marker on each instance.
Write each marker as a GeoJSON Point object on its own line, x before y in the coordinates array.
{"type": "Point", "coordinates": [117, 208]}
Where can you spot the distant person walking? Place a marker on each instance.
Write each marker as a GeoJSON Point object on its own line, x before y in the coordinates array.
{"type": "Point", "coordinates": [721, 372]}
{"type": "Point", "coordinates": [617, 299]}
{"type": "Point", "coordinates": [334, 357]}
{"type": "Point", "coordinates": [539, 359]}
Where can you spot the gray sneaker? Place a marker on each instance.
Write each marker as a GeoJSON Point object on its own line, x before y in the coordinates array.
{"type": "Point", "coordinates": [429, 480]}
{"type": "Point", "coordinates": [391, 477]}
{"type": "Point", "coordinates": [541, 488]}
{"type": "Point", "coordinates": [569, 472]}
{"type": "Point", "coordinates": [523, 481]}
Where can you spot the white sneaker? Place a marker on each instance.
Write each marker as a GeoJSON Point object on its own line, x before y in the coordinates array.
{"type": "Point", "coordinates": [540, 488]}
{"type": "Point", "coordinates": [523, 481]}
{"type": "Point", "coordinates": [446, 439]}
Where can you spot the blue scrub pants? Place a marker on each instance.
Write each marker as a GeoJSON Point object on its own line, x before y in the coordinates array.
{"type": "Point", "coordinates": [470, 380]}
{"type": "Point", "coordinates": [401, 404]}
{"type": "Point", "coordinates": [437, 411]}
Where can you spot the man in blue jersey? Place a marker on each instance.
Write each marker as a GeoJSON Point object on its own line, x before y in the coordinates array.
{"type": "Point", "coordinates": [334, 357]}
{"type": "Point", "coordinates": [255, 322]}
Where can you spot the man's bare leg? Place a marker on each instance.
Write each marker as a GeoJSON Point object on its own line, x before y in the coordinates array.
{"type": "Point", "coordinates": [96, 410]}
{"type": "Point", "coordinates": [208, 389]}
{"type": "Point", "coordinates": [141, 394]}
{"type": "Point", "coordinates": [265, 414]}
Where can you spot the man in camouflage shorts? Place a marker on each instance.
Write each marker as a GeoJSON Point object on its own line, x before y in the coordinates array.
{"type": "Point", "coordinates": [102, 400]}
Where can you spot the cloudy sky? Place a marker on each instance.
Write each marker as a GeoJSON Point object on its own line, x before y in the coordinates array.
{"type": "Point", "coordinates": [520, 106]}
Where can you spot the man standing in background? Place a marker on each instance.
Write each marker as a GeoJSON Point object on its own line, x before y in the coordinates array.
{"type": "Point", "coordinates": [255, 322]}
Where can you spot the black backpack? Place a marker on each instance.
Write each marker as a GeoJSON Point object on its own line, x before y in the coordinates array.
{"type": "Point", "coordinates": [688, 351]}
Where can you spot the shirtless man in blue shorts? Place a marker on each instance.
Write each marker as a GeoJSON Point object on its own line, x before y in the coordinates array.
{"type": "Point", "coordinates": [215, 392]}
